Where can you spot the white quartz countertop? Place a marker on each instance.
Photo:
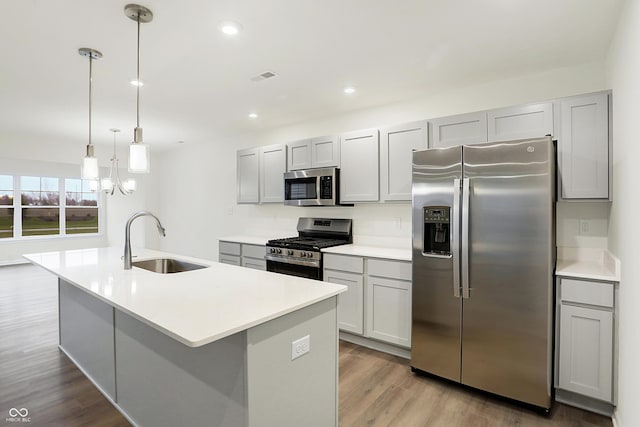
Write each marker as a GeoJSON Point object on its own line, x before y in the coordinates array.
{"type": "Point", "coordinates": [249, 240]}
{"type": "Point", "coordinates": [400, 254]}
{"type": "Point", "coordinates": [194, 307]}
{"type": "Point", "coordinates": [588, 264]}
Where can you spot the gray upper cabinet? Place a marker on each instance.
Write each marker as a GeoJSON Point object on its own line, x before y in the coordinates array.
{"type": "Point", "coordinates": [248, 175]}
{"type": "Point", "coordinates": [325, 152]}
{"type": "Point", "coordinates": [299, 155]}
{"type": "Point", "coordinates": [460, 129]}
{"type": "Point", "coordinates": [584, 147]}
{"type": "Point", "coordinates": [359, 172]}
{"type": "Point", "coordinates": [319, 152]}
{"type": "Point", "coordinates": [273, 164]}
{"type": "Point", "coordinates": [396, 146]}
{"type": "Point", "coordinates": [528, 121]}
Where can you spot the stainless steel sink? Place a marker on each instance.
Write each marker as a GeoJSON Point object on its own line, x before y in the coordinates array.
{"type": "Point", "coordinates": [167, 265]}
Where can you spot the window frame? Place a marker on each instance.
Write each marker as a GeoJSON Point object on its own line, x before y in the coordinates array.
{"type": "Point", "coordinates": [62, 206]}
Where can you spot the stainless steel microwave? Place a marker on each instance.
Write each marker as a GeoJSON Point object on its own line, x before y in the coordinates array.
{"type": "Point", "coordinates": [312, 187]}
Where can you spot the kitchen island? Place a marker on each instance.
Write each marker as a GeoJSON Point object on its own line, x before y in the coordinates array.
{"type": "Point", "coordinates": [217, 346]}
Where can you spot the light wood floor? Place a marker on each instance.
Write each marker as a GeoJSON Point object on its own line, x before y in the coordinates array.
{"type": "Point", "coordinates": [376, 389]}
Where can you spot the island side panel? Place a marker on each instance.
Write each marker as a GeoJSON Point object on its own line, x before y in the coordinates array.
{"type": "Point", "coordinates": [86, 335]}
{"type": "Point", "coordinates": [284, 392]}
{"type": "Point", "coordinates": [162, 382]}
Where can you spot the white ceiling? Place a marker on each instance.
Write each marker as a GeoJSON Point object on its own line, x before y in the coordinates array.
{"type": "Point", "coordinates": [197, 80]}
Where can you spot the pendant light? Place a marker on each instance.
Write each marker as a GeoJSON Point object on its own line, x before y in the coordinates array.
{"type": "Point", "coordinates": [89, 168]}
{"type": "Point", "coordinates": [138, 151]}
{"type": "Point", "coordinates": [113, 182]}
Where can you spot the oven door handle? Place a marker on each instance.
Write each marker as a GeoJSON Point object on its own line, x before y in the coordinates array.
{"type": "Point", "coordinates": [306, 263]}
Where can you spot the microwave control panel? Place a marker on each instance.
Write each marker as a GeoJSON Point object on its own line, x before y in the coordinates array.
{"type": "Point", "coordinates": [326, 187]}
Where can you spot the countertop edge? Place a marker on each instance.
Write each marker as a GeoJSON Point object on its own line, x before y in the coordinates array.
{"type": "Point", "coordinates": [180, 338]}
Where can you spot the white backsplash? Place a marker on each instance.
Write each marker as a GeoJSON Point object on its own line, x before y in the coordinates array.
{"type": "Point", "coordinates": [389, 225]}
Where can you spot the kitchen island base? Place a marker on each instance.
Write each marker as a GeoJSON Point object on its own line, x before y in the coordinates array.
{"type": "Point", "coordinates": [245, 379]}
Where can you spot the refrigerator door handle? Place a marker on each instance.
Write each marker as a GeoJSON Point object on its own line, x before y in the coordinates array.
{"type": "Point", "coordinates": [465, 238]}
{"type": "Point", "coordinates": [455, 237]}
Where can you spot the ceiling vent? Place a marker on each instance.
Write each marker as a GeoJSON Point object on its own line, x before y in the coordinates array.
{"type": "Point", "coordinates": [263, 76]}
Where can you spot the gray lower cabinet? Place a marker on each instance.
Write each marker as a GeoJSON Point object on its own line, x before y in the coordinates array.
{"type": "Point", "coordinates": [242, 254]}
{"type": "Point", "coordinates": [347, 271]}
{"type": "Point", "coordinates": [388, 301]}
{"type": "Point", "coordinates": [378, 302]}
{"type": "Point", "coordinates": [585, 342]}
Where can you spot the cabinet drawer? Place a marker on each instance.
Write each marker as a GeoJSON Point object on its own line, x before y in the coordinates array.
{"type": "Point", "coordinates": [253, 251]}
{"type": "Point", "coordinates": [256, 264]}
{"type": "Point", "coordinates": [229, 259]}
{"type": "Point", "coordinates": [344, 263]}
{"type": "Point", "coordinates": [392, 269]}
{"type": "Point", "coordinates": [583, 292]}
{"type": "Point", "coordinates": [230, 248]}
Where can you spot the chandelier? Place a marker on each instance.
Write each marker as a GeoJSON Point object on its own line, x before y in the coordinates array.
{"type": "Point", "coordinates": [113, 182]}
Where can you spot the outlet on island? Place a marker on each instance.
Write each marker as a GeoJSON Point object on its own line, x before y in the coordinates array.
{"type": "Point", "coordinates": [300, 346]}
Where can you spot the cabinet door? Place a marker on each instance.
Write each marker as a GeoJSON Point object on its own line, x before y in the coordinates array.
{"type": "Point", "coordinates": [389, 310]}
{"type": "Point", "coordinates": [586, 351]}
{"type": "Point", "coordinates": [530, 121]}
{"type": "Point", "coordinates": [359, 177]}
{"type": "Point", "coordinates": [351, 302]}
{"type": "Point", "coordinates": [461, 129]}
{"type": "Point", "coordinates": [299, 155]}
{"type": "Point", "coordinates": [325, 152]}
{"type": "Point", "coordinates": [584, 147]}
{"type": "Point", "coordinates": [396, 146]}
{"type": "Point", "coordinates": [248, 176]}
{"type": "Point", "coordinates": [273, 164]}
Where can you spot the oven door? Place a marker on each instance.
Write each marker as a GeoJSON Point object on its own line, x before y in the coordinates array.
{"type": "Point", "coordinates": [306, 271]}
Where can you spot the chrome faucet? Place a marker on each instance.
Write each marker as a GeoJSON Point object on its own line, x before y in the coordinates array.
{"type": "Point", "coordinates": [127, 235]}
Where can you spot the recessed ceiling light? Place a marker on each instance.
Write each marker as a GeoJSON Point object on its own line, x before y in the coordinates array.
{"type": "Point", "coordinates": [349, 90]}
{"type": "Point", "coordinates": [253, 115]}
{"type": "Point", "coordinates": [135, 82]}
{"type": "Point", "coordinates": [229, 28]}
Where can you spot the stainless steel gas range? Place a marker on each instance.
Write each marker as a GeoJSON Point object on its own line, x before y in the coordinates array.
{"type": "Point", "coordinates": [301, 256]}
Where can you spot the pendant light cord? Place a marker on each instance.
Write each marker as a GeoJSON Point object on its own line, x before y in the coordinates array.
{"type": "Point", "coordinates": [138, 85]}
{"type": "Point", "coordinates": [90, 90]}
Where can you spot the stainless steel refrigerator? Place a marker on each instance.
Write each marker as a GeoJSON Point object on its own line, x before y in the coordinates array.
{"type": "Point", "coordinates": [483, 264]}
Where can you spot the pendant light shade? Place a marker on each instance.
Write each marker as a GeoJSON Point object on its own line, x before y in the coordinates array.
{"type": "Point", "coordinates": [89, 167]}
{"type": "Point", "coordinates": [138, 151]}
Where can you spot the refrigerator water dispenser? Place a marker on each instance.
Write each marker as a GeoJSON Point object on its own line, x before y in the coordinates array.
{"type": "Point", "coordinates": [436, 230]}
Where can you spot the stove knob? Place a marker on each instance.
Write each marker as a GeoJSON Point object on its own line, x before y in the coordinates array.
{"type": "Point", "coordinates": [289, 252]}
{"type": "Point", "coordinates": [279, 251]}
{"type": "Point", "coordinates": [309, 254]}
{"type": "Point", "coordinates": [302, 254]}
{"type": "Point", "coordinates": [272, 250]}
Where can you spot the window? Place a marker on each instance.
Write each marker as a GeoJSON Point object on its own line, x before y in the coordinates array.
{"type": "Point", "coordinates": [81, 212]}
{"type": "Point", "coordinates": [47, 206]}
{"type": "Point", "coordinates": [6, 206]}
{"type": "Point", "coordinates": [40, 200]}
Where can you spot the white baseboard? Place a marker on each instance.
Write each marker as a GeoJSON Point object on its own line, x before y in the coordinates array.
{"type": "Point", "coordinates": [376, 345]}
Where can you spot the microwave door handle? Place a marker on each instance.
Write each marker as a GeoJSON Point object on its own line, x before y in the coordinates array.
{"type": "Point", "coordinates": [455, 237]}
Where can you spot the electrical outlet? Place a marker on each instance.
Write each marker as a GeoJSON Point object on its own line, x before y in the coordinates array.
{"type": "Point", "coordinates": [584, 226]}
{"type": "Point", "coordinates": [300, 346]}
